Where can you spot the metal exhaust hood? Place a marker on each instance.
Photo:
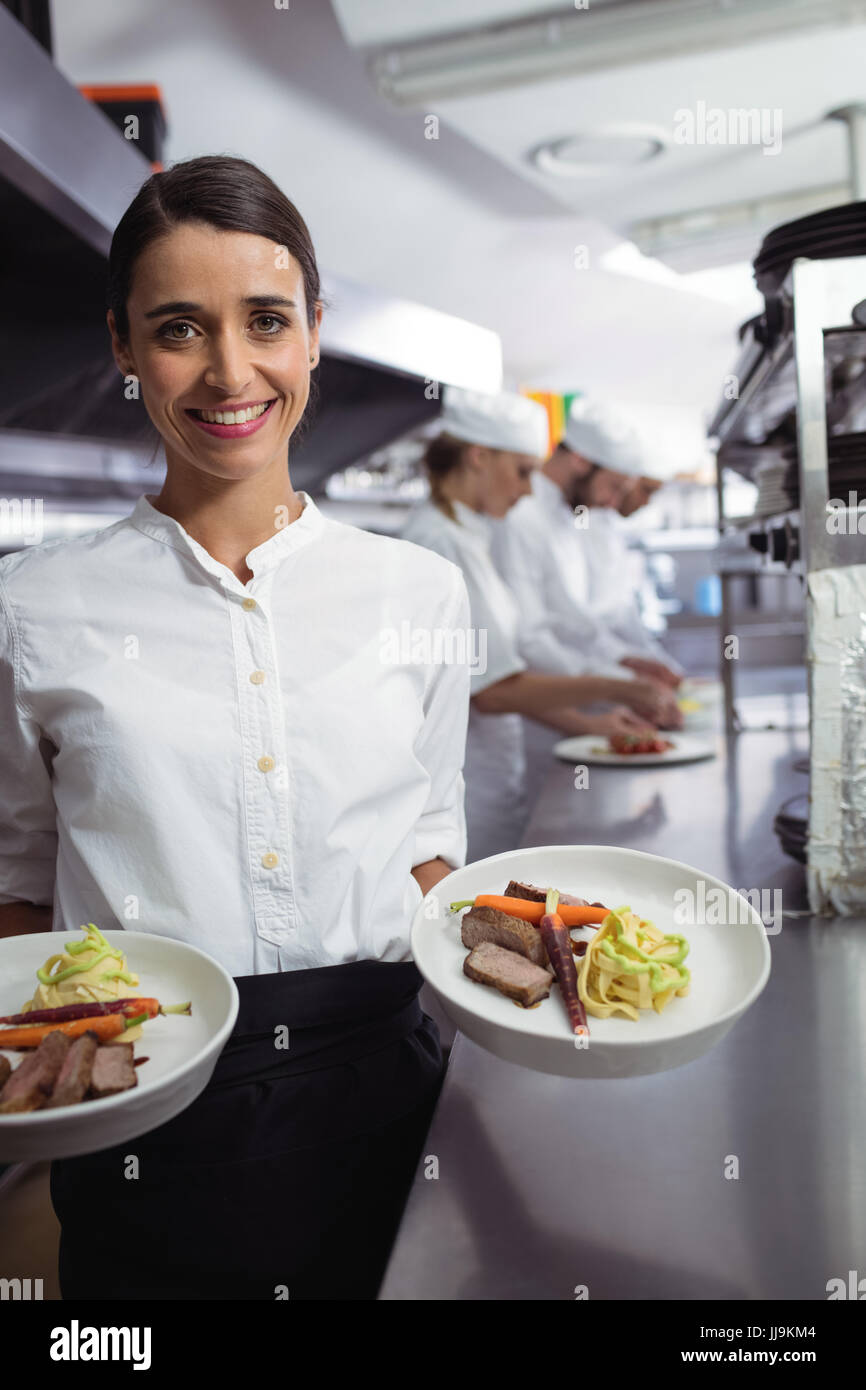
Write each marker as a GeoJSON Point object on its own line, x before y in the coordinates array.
{"type": "Point", "coordinates": [66, 177]}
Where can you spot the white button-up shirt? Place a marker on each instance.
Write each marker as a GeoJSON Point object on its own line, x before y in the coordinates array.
{"type": "Point", "coordinates": [495, 759]}
{"type": "Point", "coordinates": [254, 769]}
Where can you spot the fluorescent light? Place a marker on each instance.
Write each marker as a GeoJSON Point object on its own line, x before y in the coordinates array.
{"type": "Point", "coordinates": [590, 40]}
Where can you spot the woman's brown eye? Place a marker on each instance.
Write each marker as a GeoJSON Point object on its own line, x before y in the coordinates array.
{"type": "Point", "coordinates": [272, 318]}
{"type": "Point", "coordinates": [167, 331]}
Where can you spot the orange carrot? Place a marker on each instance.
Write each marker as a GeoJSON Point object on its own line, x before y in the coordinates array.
{"type": "Point", "coordinates": [572, 914]}
{"type": "Point", "coordinates": [107, 1027]}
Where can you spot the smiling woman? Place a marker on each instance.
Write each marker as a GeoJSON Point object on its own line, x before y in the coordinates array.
{"type": "Point", "coordinates": [214, 305]}
{"type": "Point", "coordinates": [196, 718]}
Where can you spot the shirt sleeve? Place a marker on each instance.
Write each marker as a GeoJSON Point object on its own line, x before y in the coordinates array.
{"type": "Point", "coordinates": [28, 816]}
{"type": "Point", "coordinates": [441, 829]}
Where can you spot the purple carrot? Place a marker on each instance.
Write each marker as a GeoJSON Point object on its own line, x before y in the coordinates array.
{"type": "Point", "coordinates": [97, 1009]}
{"type": "Point", "coordinates": [557, 942]}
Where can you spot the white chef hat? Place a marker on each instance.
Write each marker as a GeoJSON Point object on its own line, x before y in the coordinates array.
{"type": "Point", "coordinates": [499, 421]}
{"type": "Point", "coordinates": [605, 435]}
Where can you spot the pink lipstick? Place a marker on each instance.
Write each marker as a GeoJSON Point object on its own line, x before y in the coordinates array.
{"type": "Point", "coordinates": [236, 431]}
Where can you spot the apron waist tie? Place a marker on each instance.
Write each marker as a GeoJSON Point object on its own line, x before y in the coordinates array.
{"type": "Point", "coordinates": [304, 1020]}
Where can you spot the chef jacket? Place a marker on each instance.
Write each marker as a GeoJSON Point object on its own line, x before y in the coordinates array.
{"type": "Point", "coordinates": [542, 556]}
{"type": "Point", "coordinates": [251, 768]}
{"type": "Point", "coordinates": [616, 573]}
{"type": "Point", "coordinates": [495, 759]}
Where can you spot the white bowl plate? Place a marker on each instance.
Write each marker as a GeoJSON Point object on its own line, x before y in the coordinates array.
{"type": "Point", "coordinates": [730, 963]}
{"type": "Point", "coordinates": [182, 1050]}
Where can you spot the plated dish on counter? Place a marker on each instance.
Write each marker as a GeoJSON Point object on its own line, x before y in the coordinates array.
{"type": "Point", "coordinates": [94, 1051]}
{"type": "Point", "coordinates": [552, 980]}
{"type": "Point", "coordinates": [635, 750]}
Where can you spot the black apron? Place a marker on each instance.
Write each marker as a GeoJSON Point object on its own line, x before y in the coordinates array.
{"type": "Point", "coordinates": [289, 1173]}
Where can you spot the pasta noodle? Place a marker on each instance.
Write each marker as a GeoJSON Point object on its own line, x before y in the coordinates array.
{"type": "Point", "coordinates": [85, 971]}
{"type": "Point", "coordinates": [630, 965]}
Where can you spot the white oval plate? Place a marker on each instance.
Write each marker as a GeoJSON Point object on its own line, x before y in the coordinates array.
{"type": "Point", "coordinates": [730, 964]}
{"type": "Point", "coordinates": [591, 748]}
{"type": "Point", "coordinates": [183, 1050]}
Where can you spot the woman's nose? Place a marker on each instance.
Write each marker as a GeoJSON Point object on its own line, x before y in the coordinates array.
{"type": "Point", "coordinates": [228, 369]}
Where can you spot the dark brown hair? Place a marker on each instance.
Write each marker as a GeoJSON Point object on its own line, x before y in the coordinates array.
{"type": "Point", "coordinates": [225, 192]}
{"type": "Point", "coordinates": [443, 454]}
{"type": "Point", "coordinates": [231, 194]}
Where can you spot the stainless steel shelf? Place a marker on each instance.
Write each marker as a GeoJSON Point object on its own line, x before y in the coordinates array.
{"type": "Point", "coordinates": [738, 524]}
{"type": "Point", "coordinates": [766, 389]}
{"type": "Point", "coordinates": [767, 379]}
{"type": "Point", "coordinates": [816, 372]}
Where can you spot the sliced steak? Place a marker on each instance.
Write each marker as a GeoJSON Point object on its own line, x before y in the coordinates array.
{"type": "Point", "coordinates": [31, 1083]}
{"type": "Point", "coordinates": [489, 924]}
{"type": "Point", "coordinates": [74, 1078]}
{"type": "Point", "coordinates": [113, 1070]}
{"type": "Point", "coordinates": [508, 972]}
{"type": "Point", "coordinates": [5, 1071]}
{"type": "Point", "coordinates": [531, 894]}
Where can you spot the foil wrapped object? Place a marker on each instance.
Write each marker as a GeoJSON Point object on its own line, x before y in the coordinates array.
{"type": "Point", "coordinates": [836, 615]}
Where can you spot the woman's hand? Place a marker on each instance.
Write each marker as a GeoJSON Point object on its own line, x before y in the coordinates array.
{"type": "Point", "coordinates": [655, 704]}
{"type": "Point", "coordinates": [428, 874]}
{"type": "Point", "coordinates": [619, 720]}
{"type": "Point", "coordinates": [652, 670]}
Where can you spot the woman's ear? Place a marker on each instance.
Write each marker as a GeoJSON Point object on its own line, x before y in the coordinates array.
{"type": "Point", "coordinates": [474, 457]}
{"type": "Point", "coordinates": [122, 358]}
{"type": "Point", "coordinates": [314, 337]}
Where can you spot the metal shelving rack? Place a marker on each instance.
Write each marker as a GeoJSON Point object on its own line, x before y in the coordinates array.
{"type": "Point", "coordinates": [816, 336]}
{"type": "Point", "coordinates": [814, 366]}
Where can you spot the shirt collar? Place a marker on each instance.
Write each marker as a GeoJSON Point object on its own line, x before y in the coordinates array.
{"type": "Point", "coordinates": [147, 518]}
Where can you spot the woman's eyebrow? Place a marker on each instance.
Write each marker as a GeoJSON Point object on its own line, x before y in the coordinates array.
{"type": "Point", "coordinates": [186, 306]}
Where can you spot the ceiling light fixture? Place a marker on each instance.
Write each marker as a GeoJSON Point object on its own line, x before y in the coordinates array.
{"type": "Point", "coordinates": [592, 40]}
{"type": "Point", "coordinates": [596, 152]}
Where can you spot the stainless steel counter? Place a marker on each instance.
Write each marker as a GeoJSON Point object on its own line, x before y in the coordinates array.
{"type": "Point", "coordinates": [545, 1184]}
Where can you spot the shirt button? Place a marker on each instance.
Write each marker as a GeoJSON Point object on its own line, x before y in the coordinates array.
{"type": "Point", "coordinates": [265, 763]}
{"type": "Point", "coordinates": [249, 604]}
{"type": "Point", "coordinates": [270, 860]}
{"type": "Point", "coordinates": [257, 677]}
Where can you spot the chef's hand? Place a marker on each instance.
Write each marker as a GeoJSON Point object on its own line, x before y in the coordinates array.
{"type": "Point", "coordinates": [655, 704]}
{"type": "Point", "coordinates": [618, 720]}
{"type": "Point", "coordinates": [652, 670]}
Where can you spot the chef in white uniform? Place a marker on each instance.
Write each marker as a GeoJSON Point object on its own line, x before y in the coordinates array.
{"type": "Point", "coordinates": [618, 577]}
{"type": "Point", "coordinates": [616, 572]}
{"type": "Point", "coordinates": [557, 574]}
{"type": "Point", "coordinates": [479, 465]}
{"type": "Point", "coordinates": [563, 561]}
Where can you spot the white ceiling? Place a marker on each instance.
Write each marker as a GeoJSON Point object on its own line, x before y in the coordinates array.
{"type": "Point", "coordinates": [463, 223]}
{"type": "Point", "coordinates": [769, 76]}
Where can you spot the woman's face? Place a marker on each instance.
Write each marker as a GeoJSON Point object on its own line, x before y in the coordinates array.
{"type": "Point", "coordinates": [501, 477]}
{"type": "Point", "coordinates": [218, 320]}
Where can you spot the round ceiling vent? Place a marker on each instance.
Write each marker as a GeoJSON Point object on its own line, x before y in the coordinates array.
{"type": "Point", "coordinates": [597, 152]}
